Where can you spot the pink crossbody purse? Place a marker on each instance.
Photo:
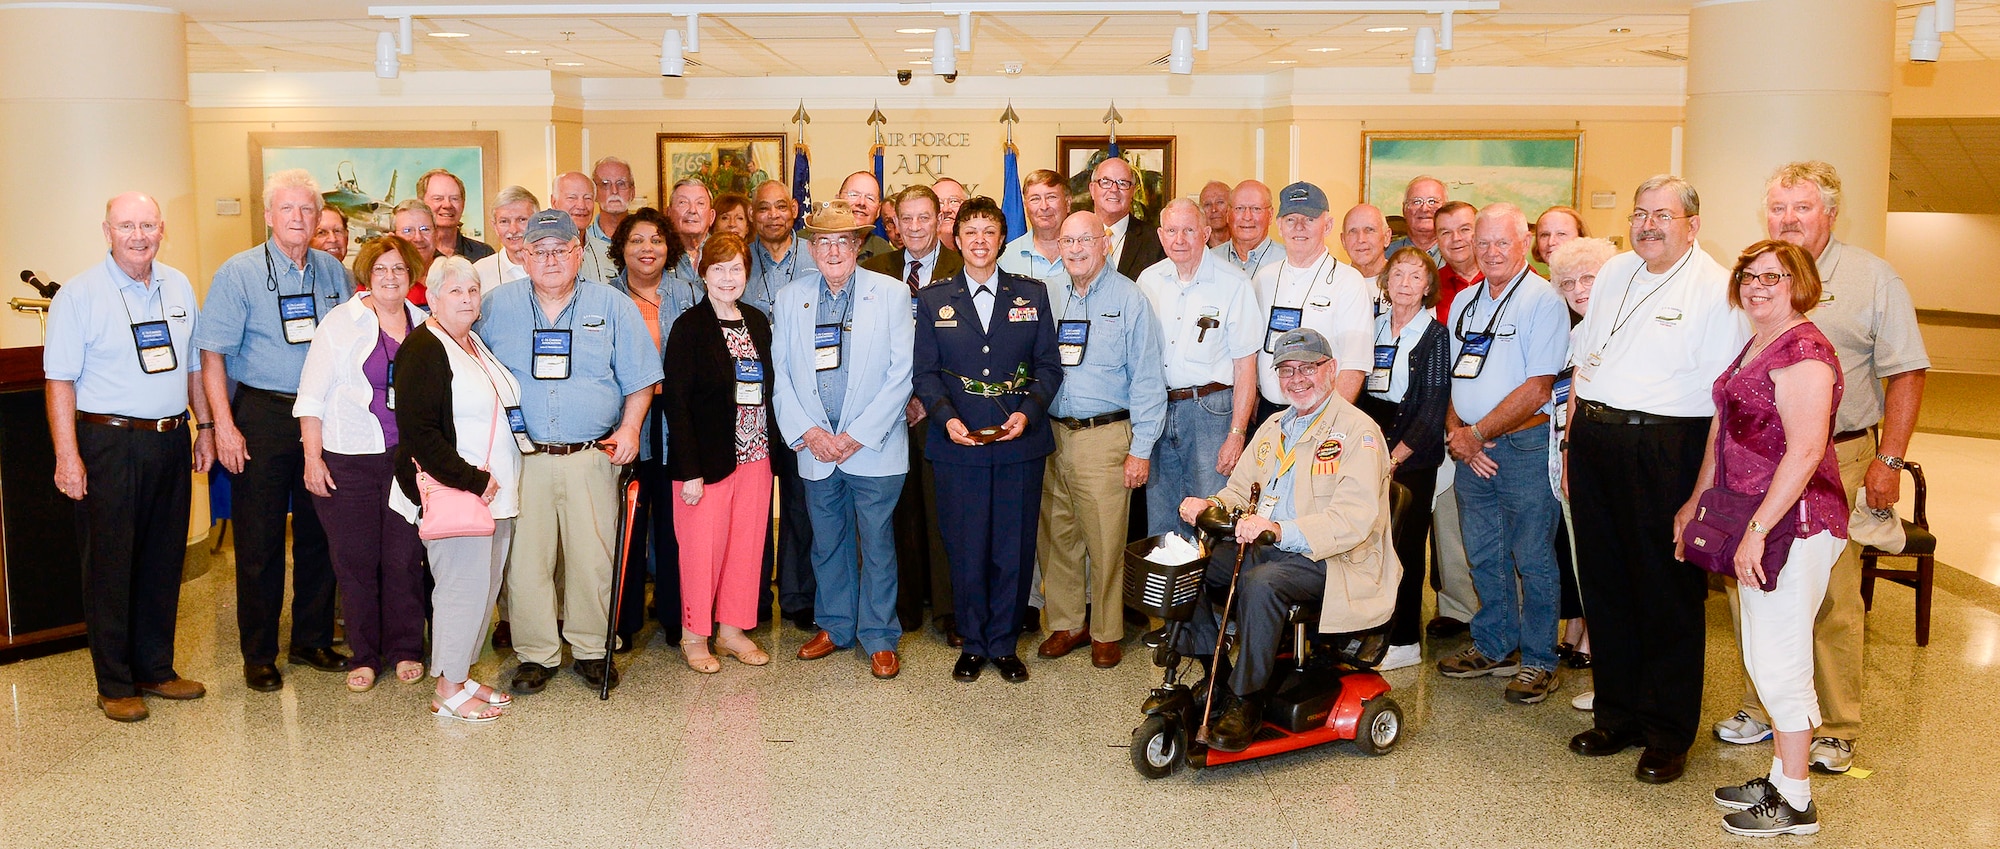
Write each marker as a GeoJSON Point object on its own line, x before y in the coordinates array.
{"type": "Point", "coordinates": [449, 512]}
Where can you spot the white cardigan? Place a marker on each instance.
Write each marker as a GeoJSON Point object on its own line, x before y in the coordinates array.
{"type": "Point", "coordinates": [332, 387]}
{"type": "Point", "coordinates": [478, 385]}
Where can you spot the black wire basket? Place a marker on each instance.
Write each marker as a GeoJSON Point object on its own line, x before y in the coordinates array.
{"type": "Point", "coordinates": [1166, 590]}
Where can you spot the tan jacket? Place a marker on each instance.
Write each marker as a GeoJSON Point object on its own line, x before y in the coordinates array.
{"type": "Point", "coordinates": [1341, 491]}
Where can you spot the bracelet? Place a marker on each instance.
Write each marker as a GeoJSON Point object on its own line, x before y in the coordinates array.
{"type": "Point", "coordinates": [1892, 461]}
{"type": "Point", "coordinates": [1477, 435]}
{"type": "Point", "coordinates": [205, 426]}
{"type": "Point", "coordinates": [1237, 431]}
{"type": "Point", "coordinates": [1757, 527]}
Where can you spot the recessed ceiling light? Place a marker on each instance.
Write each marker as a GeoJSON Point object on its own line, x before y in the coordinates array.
{"type": "Point", "coordinates": [916, 50]}
{"type": "Point", "coordinates": [256, 70]}
{"type": "Point", "coordinates": [921, 62]}
{"type": "Point", "coordinates": [1620, 30]}
{"type": "Point", "coordinates": [449, 34]}
{"type": "Point", "coordinates": [1324, 50]}
{"type": "Point", "coordinates": [523, 52]}
{"type": "Point", "coordinates": [570, 64]}
{"type": "Point", "coordinates": [1388, 29]}
{"type": "Point", "coordinates": [1284, 61]}
{"type": "Point", "coordinates": [916, 31]}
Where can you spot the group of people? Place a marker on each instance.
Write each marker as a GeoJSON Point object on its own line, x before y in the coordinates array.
{"type": "Point", "coordinates": [952, 415]}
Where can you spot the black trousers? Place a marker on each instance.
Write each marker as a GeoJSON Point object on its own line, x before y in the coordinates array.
{"type": "Point", "coordinates": [652, 531]}
{"type": "Point", "coordinates": [1272, 581]}
{"type": "Point", "coordinates": [1409, 540]}
{"type": "Point", "coordinates": [271, 485]}
{"type": "Point", "coordinates": [132, 531]}
{"type": "Point", "coordinates": [1648, 628]}
{"type": "Point", "coordinates": [788, 552]}
{"type": "Point", "coordinates": [989, 516]}
{"type": "Point", "coordinates": [923, 572]}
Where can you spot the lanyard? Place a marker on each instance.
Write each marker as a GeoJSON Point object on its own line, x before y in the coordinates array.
{"type": "Point", "coordinates": [271, 275]}
{"type": "Point", "coordinates": [1312, 282]}
{"type": "Point", "coordinates": [1640, 307]}
{"type": "Point", "coordinates": [562, 318]}
{"type": "Point", "coordinates": [1498, 310]}
{"type": "Point", "coordinates": [1256, 257]}
{"type": "Point", "coordinates": [1288, 457]}
{"type": "Point", "coordinates": [159, 297]}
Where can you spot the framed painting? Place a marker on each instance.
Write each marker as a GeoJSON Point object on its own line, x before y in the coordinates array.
{"type": "Point", "coordinates": [1151, 156]}
{"type": "Point", "coordinates": [725, 162]}
{"type": "Point", "coordinates": [365, 174]}
{"type": "Point", "coordinates": [1531, 170]}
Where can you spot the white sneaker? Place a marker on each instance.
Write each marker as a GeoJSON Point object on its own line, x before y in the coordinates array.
{"type": "Point", "coordinates": [1832, 754]}
{"type": "Point", "coordinates": [1586, 701]}
{"type": "Point", "coordinates": [1401, 656]}
{"type": "Point", "coordinates": [1742, 729]}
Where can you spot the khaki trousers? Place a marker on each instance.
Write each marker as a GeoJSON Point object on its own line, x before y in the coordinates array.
{"type": "Point", "coordinates": [571, 501]}
{"type": "Point", "coordinates": [1841, 626]}
{"type": "Point", "coordinates": [1082, 538]}
{"type": "Point", "coordinates": [1451, 569]}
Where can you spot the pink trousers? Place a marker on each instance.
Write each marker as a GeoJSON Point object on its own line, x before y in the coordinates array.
{"type": "Point", "coordinates": [722, 548]}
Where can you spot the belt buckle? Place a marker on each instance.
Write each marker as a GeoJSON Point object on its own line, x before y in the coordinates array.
{"type": "Point", "coordinates": [162, 425]}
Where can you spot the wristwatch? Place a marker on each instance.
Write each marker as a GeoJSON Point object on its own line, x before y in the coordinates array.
{"type": "Point", "coordinates": [1757, 527]}
{"type": "Point", "coordinates": [1892, 461]}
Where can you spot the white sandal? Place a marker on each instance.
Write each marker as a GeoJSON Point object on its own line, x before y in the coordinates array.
{"type": "Point", "coordinates": [449, 710]}
{"type": "Point", "coordinates": [496, 699]}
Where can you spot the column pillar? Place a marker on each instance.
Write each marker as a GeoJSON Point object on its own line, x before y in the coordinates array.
{"type": "Point", "coordinates": [1772, 81]}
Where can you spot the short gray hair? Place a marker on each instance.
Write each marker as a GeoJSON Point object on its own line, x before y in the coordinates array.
{"type": "Point", "coordinates": [423, 183]}
{"type": "Point", "coordinates": [292, 178]}
{"type": "Point", "coordinates": [1504, 210]}
{"type": "Point", "coordinates": [690, 181]}
{"type": "Point", "coordinates": [1580, 253]}
{"type": "Point", "coordinates": [448, 268]}
{"type": "Point", "coordinates": [515, 194]}
{"type": "Point", "coordinates": [1187, 206]}
{"type": "Point", "coordinates": [1682, 189]}
{"type": "Point", "coordinates": [415, 205]}
{"type": "Point", "coordinates": [1814, 171]}
{"type": "Point", "coordinates": [609, 160]}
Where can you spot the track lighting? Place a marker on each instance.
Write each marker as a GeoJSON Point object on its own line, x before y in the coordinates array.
{"type": "Point", "coordinates": [1424, 60]}
{"type": "Point", "coordinates": [944, 54]}
{"type": "Point", "coordinates": [673, 63]}
{"type": "Point", "coordinates": [1924, 42]}
{"type": "Point", "coordinates": [1180, 59]}
{"type": "Point", "coordinates": [388, 63]}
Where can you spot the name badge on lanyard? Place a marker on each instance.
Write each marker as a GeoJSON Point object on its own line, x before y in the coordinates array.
{"type": "Point", "coordinates": [1472, 358]}
{"type": "Point", "coordinates": [298, 316]}
{"type": "Point", "coordinates": [552, 348]}
{"type": "Point", "coordinates": [156, 346]}
{"type": "Point", "coordinates": [1560, 396]}
{"type": "Point", "coordinates": [518, 424]}
{"type": "Point", "coordinates": [1282, 319]}
{"type": "Point", "coordinates": [826, 347]}
{"type": "Point", "coordinates": [916, 307]}
{"type": "Point", "coordinates": [1385, 366]}
{"type": "Point", "coordinates": [1072, 336]}
{"type": "Point", "coordinates": [389, 391]}
{"type": "Point", "coordinates": [749, 383]}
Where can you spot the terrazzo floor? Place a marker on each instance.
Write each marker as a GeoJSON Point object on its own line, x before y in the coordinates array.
{"type": "Point", "coordinates": [821, 755]}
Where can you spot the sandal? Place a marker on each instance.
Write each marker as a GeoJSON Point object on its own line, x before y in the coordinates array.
{"type": "Point", "coordinates": [361, 679]}
{"type": "Point", "coordinates": [751, 656]}
{"type": "Point", "coordinates": [706, 664]}
{"type": "Point", "coordinates": [409, 671]}
{"type": "Point", "coordinates": [449, 709]}
{"type": "Point", "coordinates": [488, 694]}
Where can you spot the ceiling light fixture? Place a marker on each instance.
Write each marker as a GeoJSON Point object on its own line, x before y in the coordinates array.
{"type": "Point", "coordinates": [1620, 30]}
{"type": "Point", "coordinates": [673, 62]}
{"type": "Point", "coordinates": [1424, 60]}
{"type": "Point", "coordinates": [450, 34]}
{"type": "Point", "coordinates": [1925, 45]}
{"type": "Point", "coordinates": [921, 62]}
{"type": "Point", "coordinates": [1284, 61]}
{"type": "Point", "coordinates": [388, 63]}
{"type": "Point", "coordinates": [916, 30]}
{"type": "Point", "coordinates": [523, 52]}
{"type": "Point", "coordinates": [916, 50]}
{"type": "Point", "coordinates": [944, 55]}
{"type": "Point", "coordinates": [1323, 50]}
{"type": "Point", "coordinates": [1180, 57]}
{"type": "Point", "coordinates": [569, 64]}
{"type": "Point", "coordinates": [1947, 15]}
{"type": "Point", "coordinates": [1388, 29]}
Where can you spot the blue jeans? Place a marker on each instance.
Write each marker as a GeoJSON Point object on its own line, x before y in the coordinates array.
{"type": "Point", "coordinates": [846, 604]}
{"type": "Point", "coordinates": [1184, 460]}
{"type": "Point", "coordinates": [1509, 525]}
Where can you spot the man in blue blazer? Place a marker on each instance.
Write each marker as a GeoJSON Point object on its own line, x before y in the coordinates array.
{"type": "Point", "coordinates": [841, 346]}
{"type": "Point", "coordinates": [987, 371]}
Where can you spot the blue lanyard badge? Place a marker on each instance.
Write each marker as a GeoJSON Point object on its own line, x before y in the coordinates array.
{"type": "Point", "coordinates": [518, 424]}
{"type": "Point", "coordinates": [1282, 319]}
{"type": "Point", "coordinates": [156, 346]}
{"type": "Point", "coordinates": [389, 388]}
{"type": "Point", "coordinates": [1560, 396]}
{"type": "Point", "coordinates": [749, 382]}
{"type": "Point", "coordinates": [298, 316]}
{"type": "Point", "coordinates": [826, 347]}
{"type": "Point", "coordinates": [1385, 366]}
{"type": "Point", "coordinates": [1472, 358]}
{"type": "Point", "coordinates": [551, 349]}
{"type": "Point", "coordinates": [1072, 336]}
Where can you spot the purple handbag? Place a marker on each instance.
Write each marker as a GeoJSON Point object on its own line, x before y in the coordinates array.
{"type": "Point", "coordinates": [1722, 517]}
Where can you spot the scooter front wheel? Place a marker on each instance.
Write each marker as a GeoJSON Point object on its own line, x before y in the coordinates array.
{"type": "Point", "coordinates": [1380, 727]}
{"type": "Point", "coordinates": [1159, 747]}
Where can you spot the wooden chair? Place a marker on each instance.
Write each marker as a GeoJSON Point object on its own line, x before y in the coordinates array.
{"type": "Point", "coordinates": [1921, 548]}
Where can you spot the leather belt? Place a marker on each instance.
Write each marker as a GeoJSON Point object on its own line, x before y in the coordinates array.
{"type": "Point", "coordinates": [1535, 420]}
{"type": "Point", "coordinates": [1093, 421]}
{"type": "Point", "coordinates": [155, 425]}
{"type": "Point", "coordinates": [1195, 391]}
{"type": "Point", "coordinates": [1849, 436]}
{"type": "Point", "coordinates": [287, 397]}
{"type": "Point", "coordinates": [564, 449]}
{"type": "Point", "coordinates": [1612, 415]}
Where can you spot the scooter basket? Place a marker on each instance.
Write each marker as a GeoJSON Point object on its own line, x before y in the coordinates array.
{"type": "Point", "coordinates": [1166, 590]}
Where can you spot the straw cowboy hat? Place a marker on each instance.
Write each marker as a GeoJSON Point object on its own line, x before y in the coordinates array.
{"type": "Point", "coordinates": [834, 216]}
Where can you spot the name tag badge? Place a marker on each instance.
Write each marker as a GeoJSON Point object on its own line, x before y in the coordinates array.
{"type": "Point", "coordinates": [1560, 395]}
{"type": "Point", "coordinates": [1589, 367]}
{"type": "Point", "coordinates": [1282, 319]}
{"type": "Point", "coordinates": [1472, 358]}
{"type": "Point", "coordinates": [518, 424]}
{"type": "Point", "coordinates": [826, 347]}
{"type": "Point", "coordinates": [551, 349]}
{"type": "Point", "coordinates": [298, 316]}
{"type": "Point", "coordinates": [749, 383]}
{"type": "Point", "coordinates": [389, 391]}
{"type": "Point", "coordinates": [1071, 338]}
{"type": "Point", "coordinates": [1268, 503]}
{"type": "Point", "coordinates": [156, 346]}
{"type": "Point", "coordinates": [1385, 364]}
{"type": "Point", "coordinates": [916, 307]}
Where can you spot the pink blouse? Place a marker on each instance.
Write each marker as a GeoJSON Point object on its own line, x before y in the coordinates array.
{"type": "Point", "coordinates": [1752, 440]}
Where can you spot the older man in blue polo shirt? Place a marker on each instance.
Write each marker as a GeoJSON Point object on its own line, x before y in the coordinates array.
{"type": "Point", "coordinates": [262, 309]}
{"type": "Point", "coordinates": [586, 365]}
{"type": "Point", "coordinates": [1108, 412]}
{"type": "Point", "coordinates": [1509, 338]}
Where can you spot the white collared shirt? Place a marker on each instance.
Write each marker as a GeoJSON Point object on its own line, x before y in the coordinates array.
{"type": "Point", "coordinates": [1118, 232]}
{"type": "Point", "coordinates": [1218, 292]}
{"type": "Point", "coordinates": [926, 266]}
{"type": "Point", "coordinates": [982, 297]}
{"type": "Point", "coordinates": [1654, 343]}
{"type": "Point", "coordinates": [1332, 299]}
{"type": "Point", "coordinates": [496, 270]}
{"type": "Point", "coordinates": [332, 387]}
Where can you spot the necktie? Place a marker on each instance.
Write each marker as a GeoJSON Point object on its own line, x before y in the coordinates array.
{"type": "Point", "coordinates": [984, 296]}
{"type": "Point", "coordinates": [913, 280]}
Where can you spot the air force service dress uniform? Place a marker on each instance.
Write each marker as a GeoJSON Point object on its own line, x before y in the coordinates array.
{"type": "Point", "coordinates": [985, 351]}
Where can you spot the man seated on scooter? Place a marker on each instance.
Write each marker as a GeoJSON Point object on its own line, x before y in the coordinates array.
{"type": "Point", "coordinates": [1325, 501]}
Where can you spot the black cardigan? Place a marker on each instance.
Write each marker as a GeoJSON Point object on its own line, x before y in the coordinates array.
{"type": "Point", "coordinates": [1419, 419]}
{"type": "Point", "coordinates": [423, 418]}
{"type": "Point", "coordinates": [700, 393]}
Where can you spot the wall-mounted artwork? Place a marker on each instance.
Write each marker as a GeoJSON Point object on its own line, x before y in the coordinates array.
{"type": "Point", "coordinates": [1531, 170]}
{"type": "Point", "coordinates": [1151, 156]}
{"type": "Point", "coordinates": [365, 174]}
{"type": "Point", "coordinates": [725, 162]}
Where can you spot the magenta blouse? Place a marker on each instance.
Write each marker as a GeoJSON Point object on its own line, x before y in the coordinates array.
{"type": "Point", "coordinates": [1752, 440]}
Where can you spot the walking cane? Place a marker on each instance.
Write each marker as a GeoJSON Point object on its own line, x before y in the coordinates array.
{"type": "Point", "coordinates": [628, 492]}
{"type": "Point", "coordinates": [1222, 625]}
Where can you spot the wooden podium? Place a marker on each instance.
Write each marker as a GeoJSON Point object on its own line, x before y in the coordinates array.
{"type": "Point", "coordinates": [41, 569]}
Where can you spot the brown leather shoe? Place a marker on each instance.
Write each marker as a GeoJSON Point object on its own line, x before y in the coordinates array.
{"type": "Point", "coordinates": [884, 664]}
{"type": "Point", "coordinates": [128, 709]}
{"type": "Point", "coordinates": [1105, 655]}
{"type": "Point", "coordinates": [1061, 643]}
{"type": "Point", "coordinates": [819, 646]}
{"type": "Point", "coordinates": [179, 689]}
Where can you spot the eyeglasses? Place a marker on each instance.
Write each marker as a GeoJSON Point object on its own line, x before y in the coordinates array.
{"type": "Point", "coordinates": [1424, 202]}
{"type": "Point", "coordinates": [549, 254]}
{"type": "Point", "coordinates": [390, 271]}
{"type": "Point", "coordinates": [834, 243]}
{"type": "Point", "coordinates": [1119, 185]}
{"type": "Point", "coordinates": [854, 196]}
{"type": "Point", "coordinates": [127, 228]}
{"type": "Point", "coordinates": [1768, 278]}
{"type": "Point", "coordinates": [1287, 372]}
{"type": "Point", "coordinates": [411, 231]}
{"type": "Point", "coordinates": [1074, 241]}
{"type": "Point", "coordinates": [1659, 216]}
{"type": "Point", "coordinates": [615, 185]}
{"type": "Point", "coordinates": [1239, 210]}
{"type": "Point", "coordinates": [1569, 284]}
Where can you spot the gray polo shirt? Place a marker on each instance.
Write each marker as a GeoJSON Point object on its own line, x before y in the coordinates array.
{"type": "Point", "coordinates": [1865, 311]}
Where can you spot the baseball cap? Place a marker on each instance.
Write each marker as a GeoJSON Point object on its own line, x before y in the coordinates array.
{"type": "Point", "coordinates": [1304, 345]}
{"type": "Point", "coordinates": [550, 223]}
{"type": "Point", "coordinates": [1301, 197]}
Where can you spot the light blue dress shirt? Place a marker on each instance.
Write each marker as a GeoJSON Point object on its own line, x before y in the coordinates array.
{"type": "Point", "coordinates": [1530, 339]}
{"type": "Point", "coordinates": [768, 275]}
{"type": "Point", "coordinates": [611, 356]}
{"type": "Point", "coordinates": [240, 319]}
{"type": "Point", "coordinates": [89, 340]}
{"type": "Point", "coordinates": [1293, 426]}
{"type": "Point", "coordinates": [1121, 357]}
{"type": "Point", "coordinates": [835, 309]}
{"type": "Point", "coordinates": [1019, 257]}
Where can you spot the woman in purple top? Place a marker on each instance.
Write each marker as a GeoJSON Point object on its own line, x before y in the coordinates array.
{"type": "Point", "coordinates": [348, 426]}
{"type": "Point", "coordinates": [1773, 433]}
